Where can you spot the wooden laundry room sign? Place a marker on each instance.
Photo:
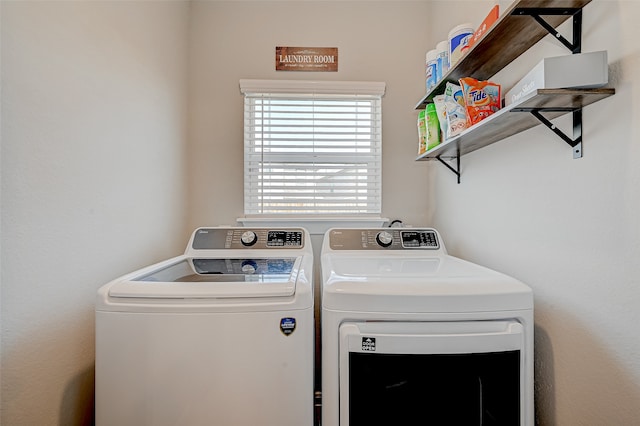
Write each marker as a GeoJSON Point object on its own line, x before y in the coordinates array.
{"type": "Point", "coordinates": [306, 58]}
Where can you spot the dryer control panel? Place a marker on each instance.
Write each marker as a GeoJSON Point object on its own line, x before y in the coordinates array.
{"type": "Point", "coordinates": [247, 238]}
{"type": "Point", "coordinates": [383, 239]}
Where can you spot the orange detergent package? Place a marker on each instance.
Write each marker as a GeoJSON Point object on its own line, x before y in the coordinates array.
{"type": "Point", "coordinates": [486, 25]}
{"type": "Point", "coordinates": [482, 98]}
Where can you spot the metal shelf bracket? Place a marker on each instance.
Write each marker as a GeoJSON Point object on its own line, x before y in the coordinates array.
{"type": "Point", "coordinates": [574, 46]}
{"type": "Point", "coordinates": [455, 170]}
{"type": "Point", "coordinates": [576, 142]}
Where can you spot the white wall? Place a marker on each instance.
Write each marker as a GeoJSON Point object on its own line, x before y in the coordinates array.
{"type": "Point", "coordinates": [525, 207]}
{"type": "Point", "coordinates": [0, 216]}
{"type": "Point", "coordinates": [377, 41]}
{"type": "Point", "coordinates": [94, 163]}
{"type": "Point", "coordinates": [232, 40]}
{"type": "Point", "coordinates": [93, 182]}
{"type": "Point", "coordinates": [569, 228]}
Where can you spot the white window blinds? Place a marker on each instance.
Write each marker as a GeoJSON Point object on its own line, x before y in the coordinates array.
{"type": "Point", "coordinates": [312, 148]}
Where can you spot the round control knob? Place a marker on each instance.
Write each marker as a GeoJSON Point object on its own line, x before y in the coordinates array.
{"type": "Point", "coordinates": [249, 238]}
{"type": "Point", "coordinates": [384, 238]}
{"type": "Point", "coordinates": [249, 267]}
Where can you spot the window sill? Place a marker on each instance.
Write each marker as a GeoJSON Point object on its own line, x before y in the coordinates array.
{"type": "Point", "coordinates": [315, 225]}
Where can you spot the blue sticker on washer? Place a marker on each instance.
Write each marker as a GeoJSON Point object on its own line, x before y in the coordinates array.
{"type": "Point", "coordinates": [287, 325]}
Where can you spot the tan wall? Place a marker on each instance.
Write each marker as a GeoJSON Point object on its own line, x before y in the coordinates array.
{"type": "Point", "coordinates": [93, 182]}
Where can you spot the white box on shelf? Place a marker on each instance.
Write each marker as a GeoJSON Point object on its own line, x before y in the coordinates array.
{"type": "Point", "coordinates": [580, 70]}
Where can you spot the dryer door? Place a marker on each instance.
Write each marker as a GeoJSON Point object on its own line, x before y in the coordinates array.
{"type": "Point", "coordinates": [455, 373]}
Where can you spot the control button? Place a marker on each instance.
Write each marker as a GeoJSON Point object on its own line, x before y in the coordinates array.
{"type": "Point", "coordinates": [249, 238]}
{"type": "Point", "coordinates": [384, 238]}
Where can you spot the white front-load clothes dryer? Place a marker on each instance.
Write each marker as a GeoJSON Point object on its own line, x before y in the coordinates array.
{"type": "Point", "coordinates": [412, 335]}
{"type": "Point", "coordinates": [222, 335]}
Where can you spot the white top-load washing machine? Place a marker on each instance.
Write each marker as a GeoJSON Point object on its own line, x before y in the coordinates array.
{"type": "Point", "coordinates": [222, 335]}
{"type": "Point", "coordinates": [411, 335]}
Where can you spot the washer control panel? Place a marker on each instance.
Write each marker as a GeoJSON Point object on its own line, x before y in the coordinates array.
{"type": "Point", "coordinates": [383, 239]}
{"type": "Point", "coordinates": [247, 238]}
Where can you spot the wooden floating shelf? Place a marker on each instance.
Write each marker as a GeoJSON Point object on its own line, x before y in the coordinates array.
{"type": "Point", "coordinates": [513, 34]}
{"type": "Point", "coordinates": [521, 26]}
{"type": "Point", "coordinates": [516, 118]}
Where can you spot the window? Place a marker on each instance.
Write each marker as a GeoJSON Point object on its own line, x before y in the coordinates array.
{"type": "Point", "coordinates": [312, 148]}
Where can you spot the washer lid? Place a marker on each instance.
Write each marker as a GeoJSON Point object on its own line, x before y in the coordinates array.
{"type": "Point", "coordinates": [214, 278]}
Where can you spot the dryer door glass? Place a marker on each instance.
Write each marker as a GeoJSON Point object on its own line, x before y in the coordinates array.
{"type": "Point", "coordinates": [444, 389]}
{"type": "Point", "coordinates": [458, 373]}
